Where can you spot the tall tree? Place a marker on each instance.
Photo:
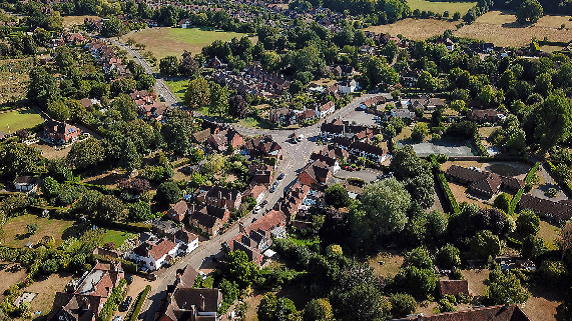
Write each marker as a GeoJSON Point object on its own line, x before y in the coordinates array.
{"type": "Point", "coordinates": [237, 107]}
{"type": "Point", "coordinates": [219, 100]}
{"type": "Point", "coordinates": [43, 87]}
{"type": "Point", "coordinates": [529, 10]}
{"type": "Point", "coordinates": [198, 93]}
{"type": "Point", "coordinates": [553, 119]}
{"type": "Point", "coordinates": [177, 132]}
{"type": "Point", "coordinates": [86, 153]}
{"type": "Point", "coordinates": [169, 66]}
{"type": "Point", "coordinates": [18, 158]}
{"type": "Point", "coordinates": [130, 158]}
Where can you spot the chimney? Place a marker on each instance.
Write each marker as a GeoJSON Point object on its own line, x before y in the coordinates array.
{"type": "Point", "coordinates": [241, 228]}
{"type": "Point", "coordinates": [219, 195]}
{"type": "Point", "coordinates": [202, 302]}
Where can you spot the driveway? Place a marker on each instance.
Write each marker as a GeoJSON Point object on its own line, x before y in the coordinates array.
{"type": "Point", "coordinates": [446, 148]}
{"type": "Point", "coordinates": [368, 175]}
{"type": "Point", "coordinates": [539, 191]}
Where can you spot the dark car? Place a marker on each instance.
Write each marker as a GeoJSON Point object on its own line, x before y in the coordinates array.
{"type": "Point", "coordinates": [281, 176]}
{"type": "Point", "coordinates": [129, 279]}
{"type": "Point", "coordinates": [264, 203]}
{"type": "Point", "coordinates": [126, 303]}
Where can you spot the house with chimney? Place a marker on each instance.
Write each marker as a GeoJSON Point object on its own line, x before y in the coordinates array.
{"type": "Point", "coordinates": [348, 86]}
{"type": "Point", "coordinates": [186, 303]}
{"type": "Point", "coordinates": [84, 297]}
{"type": "Point", "coordinates": [255, 239]}
{"type": "Point", "coordinates": [283, 116]}
{"type": "Point", "coordinates": [315, 173]}
{"type": "Point", "coordinates": [179, 211]}
{"type": "Point", "coordinates": [485, 115]}
{"type": "Point", "coordinates": [263, 147]}
{"type": "Point", "coordinates": [220, 197]}
{"type": "Point", "coordinates": [372, 102]}
{"type": "Point", "coordinates": [261, 173]}
{"type": "Point", "coordinates": [153, 254]}
{"type": "Point", "coordinates": [326, 109]}
{"type": "Point", "coordinates": [484, 183]}
{"type": "Point", "coordinates": [294, 198]}
{"type": "Point", "coordinates": [60, 133]}
{"type": "Point", "coordinates": [306, 115]}
{"type": "Point", "coordinates": [221, 140]}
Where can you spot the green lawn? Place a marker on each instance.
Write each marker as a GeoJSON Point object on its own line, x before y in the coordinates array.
{"type": "Point", "coordinates": [441, 6]}
{"type": "Point", "coordinates": [178, 87]}
{"type": "Point", "coordinates": [117, 237]}
{"type": "Point", "coordinates": [16, 120]}
{"type": "Point", "coordinates": [174, 41]}
{"type": "Point", "coordinates": [16, 234]}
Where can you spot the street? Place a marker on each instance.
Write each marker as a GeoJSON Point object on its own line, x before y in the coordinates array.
{"type": "Point", "coordinates": [296, 156]}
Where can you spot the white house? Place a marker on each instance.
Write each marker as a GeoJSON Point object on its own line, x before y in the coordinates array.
{"type": "Point", "coordinates": [187, 241]}
{"type": "Point", "coordinates": [348, 86]}
{"type": "Point", "coordinates": [154, 255]}
{"type": "Point", "coordinates": [26, 183]}
{"type": "Point", "coordinates": [402, 113]}
{"type": "Point", "coordinates": [326, 109]}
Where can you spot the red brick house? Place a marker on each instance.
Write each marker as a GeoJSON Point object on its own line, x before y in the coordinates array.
{"type": "Point", "coordinates": [179, 211]}
{"type": "Point", "coordinates": [60, 133]}
{"type": "Point", "coordinates": [220, 197]}
{"type": "Point", "coordinates": [317, 173]}
{"type": "Point", "coordinates": [507, 312]}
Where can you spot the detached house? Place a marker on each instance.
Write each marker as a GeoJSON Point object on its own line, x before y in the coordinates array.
{"type": "Point", "coordinates": [482, 182]}
{"type": "Point", "coordinates": [283, 116]}
{"type": "Point", "coordinates": [263, 147]}
{"type": "Point", "coordinates": [60, 133]}
{"type": "Point", "coordinates": [317, 173]}
{"type": "Point", "coordinates": [179, 211]}
{"type": "Point", "coordinates": [326, 109]}
{"type": "Point", "coordinates": [220, 197]}
{"type": "Point", "coordinates": [225, 138]}
{"type": "Point", "coordinates": [153, 255]}
{"type": "Point", "coordinates": [507, 312]}
{"type": "Point", "coordinates": [27, 183]}
{"type": "Point", "coordinates": [486, 115]}
{"type": "Point", "coordinates": [348, 86]}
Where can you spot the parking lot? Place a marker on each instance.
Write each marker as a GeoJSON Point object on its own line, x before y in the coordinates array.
{"type": "Point", "coordinates": [360, 117]}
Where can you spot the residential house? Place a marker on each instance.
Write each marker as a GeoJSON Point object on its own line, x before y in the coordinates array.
{"type": "Point", "coordinates": [27, 183]}
{"type": "Point", "coordinates": [187, 241]}
{"type": "Point", "coordinates": [180, 211]}
{"type": "Point", "coordinates": [326, 109]}
{"type": "Point", "coordinates": [84, 297]}
{"type": "Point", "coordinates": [255, 239]}
{"type": "Point", "coordinates": [294, 198]}
{"type": "Point", "coordinates": [483, 182]}
{"type": "Point", "coordinates": [261, 173]}
{"type": "Point", "coordinates": [185, 23]}
{"type": "Point", "coordinates": [348, 86]}
{"type": "Point", "coordinates": [263, 147]}
{"type": "Point", "coordinates": [409, 77]}
{"type": "Point", "coordinates": [283, 116]}
{"type": "Point", "coordinates": [332, 162]}
{"type": "Point", "coordinates": [257, 192]}
{"type": "Point", "coordinates": [556, 212]}
{"type": "Point", "coordinates": [186, 303]}
{"type": "Point", "coordinates": [153, 255]}
{"type": "Point", "coordinates": [306, 115]}
{"type": "Point", "coordinates": [315, 173]}
{"type": "Point", "coordinates": [449, 44]}
{"type": "Point", "coordinates": [210, 219]}
{"type": "Point", "coordinates": [60, 133]}
{"type": "Point", "coordinates": [506, 312]}
{"type": "Point", "coordinates": [486, 115]}
{"type": "Point", "coordinates": [220, 197]}
{"type": "Point", "coordinates": [372, 102]}
{"type": "Point", "coordinates": [222, 140]}
{"type": "Point", "coordinates": [402, 113]}
{"type": "Point", "coordinates": [453, 287]}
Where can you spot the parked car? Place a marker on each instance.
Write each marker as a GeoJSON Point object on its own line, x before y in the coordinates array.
{"type": "Point", "coordinates": [125, 305]}
{"type": "Point", "coordinates": [281, 176]}
{"type": "Point", "coordinates": [349, 168]}
{"type": "Point", "coordinates": [273, 188]}
{"type": "Point", "coordinates": [129, 279]}
{"type": "Point", "coordinates": [264, 203]}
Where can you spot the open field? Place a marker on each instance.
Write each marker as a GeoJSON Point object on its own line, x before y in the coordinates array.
{"type": "Point", "coordinates": [502, 30]}
{"type": "Point", "coordinates": [14, 79]}
{"type": "Point", "coordinates": [76, 20]}
{"type": "Point", "coordinates": [178, 87]}
{"type": "Point", "coordinates": [16, 120]}
{"type": "Point", "coordinates": [179, 40]}
{"type": "Point", "coordinates": [416, 29]}
{"type": "Point", "coordinates": [117, 237]}
{"type": "Point", "coordinates": [16, 234]}
{"type": "Point", "coordinates": [390, 267]}
{"type": "Point", "coordinates": [441, 6]}
{"type": "Point", "coordinates": [549, 234]}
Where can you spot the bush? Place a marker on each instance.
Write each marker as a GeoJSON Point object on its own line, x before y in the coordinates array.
{"type": "Point", "coordinates": [445, 186]}
{"type": "Point", "coordinates": [32, 228]}
{"type": "Point", "coordinates": [402, 305]}
{"type": "Point", "coordinates": [551, 192]}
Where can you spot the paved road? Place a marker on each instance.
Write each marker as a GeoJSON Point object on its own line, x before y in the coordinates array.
{"type": "Point", "coordinates": [296, 156]}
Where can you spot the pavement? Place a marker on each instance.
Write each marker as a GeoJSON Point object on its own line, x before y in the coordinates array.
{"type": "Point", "coordinates": [296, 156]}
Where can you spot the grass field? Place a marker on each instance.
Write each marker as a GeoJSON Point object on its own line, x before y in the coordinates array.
{"type": "Point", "coordinates": [76, 20]}
{"type": "Point", "coordinates": [174, 41]}
{"type": "Point", "coordinates": [416, 29]}
{"type": "Point", "coordinates": [15, 120]}
{"type": "Point", "coordinates": [14, 79]}
{"type": "Point", "coordinates": [502, 30]}
{"type": "Point", "coordinates": [178, 87]}
{"type": "Point", "coordinates": [441, 6]}
{"type": "Point", "coordinates": [117, 237]}
{"type": "Point", "coordinates": [16, 234]}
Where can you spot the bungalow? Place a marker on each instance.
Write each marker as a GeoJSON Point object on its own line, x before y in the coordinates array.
{"type": "Point", "coordinates": [483, 182]}
{"type": "Point", "coordinates": [326, 109]}
{"type": "Point", "coordinates": [317, 173]}
{"type": "Point", "coordinates": [60, 133]}
{"type": "Point", "coordinates": [153, 255]}
{"type": "Point", "coordinates": [27, 183]}
{"type": "Point", "coordinates": [185, 23]}
{"type": "Point", "coordinates": [556, 212]}
{"type": "Point", "coordinates": [220, 197]}
{"type": "Point", "coordinates": [486, 115]}
{"type": "Point", "coordinates": [402, 113]}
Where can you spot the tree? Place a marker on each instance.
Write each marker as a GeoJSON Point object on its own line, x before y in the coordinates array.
{"type": "Point", "coordinates": [553, 119]}
{"type": "Point", "coordinates": [237, 107]}
{"type": "Point", "coordinates": [529, 10]}
{"type": "Point", "coordinates": [448, 256]}
{"type": "Point", "coordinates": [543, 84]}
{"type": "Point", "coordinates": [43, 87]}
{"type": "Point", "coordinates": [140, 211]}
{"type": "Point", "coordinates": [380, 212]}
{"type": "Point", "coordinates": [337, 196]}
{"type": "Point", "coordinates": [402, 305]}
{"type": "Point", "coordinates": [109, 208]}
{"type": "Point", "coordinates": [417, 282]}
{"type": "Point", "coordinates": [214, 164]}
{"type": "Point", "coordinates": [18, 158]}
{"type": "Point", "coordinates": [198, 93]}
{"type": "Point", "coordinates": [527, 224]}
{"type": "Point", "coordinates": [168, 192]}
{"type": "Point", "coordinates": [415, 174]}
{"type": "Point", "coordinates": [362, 303]}
{"type": "Point", "coordinates": [188, 66]}
{"type": "Point", "coordinates": [169, 66]}
{"type": "Point", "coordinates": [219, 100]}
{"type": "Point", "coordinates": [502, 202]}
{"type": "Point", "coordinates": [126, 106]}
{"type": "Point", "coordinates": [32, 228]}
{"type": "Point", "coordinates": [177, 132]}
{"type": "Point", "coordinates": [318, 310]}
{"type": "Point", "coordinates": [58, 110]}
{"type": "Point", "coordinates": [145, 82]}
{"type": "Point", "coordinates": [86, 153]}
{"type": "Point", "coordinates": [565, 239]}
{"type": "Point", "coordinates": [484, 245]}
{"type": "Point", "coordinates": [418, 257]}
{"type": "Point", "coordinates": [426, 81]}
{"type": "Point", "coordinates": [390, 50]}
{"type": "Point", "coordinates": [561, 173]}
{"type": "Point", "coordinates": [50, 266]}
{"type": "Point", "coordinates": [113, 27]}
{"type": "Point", "coordinates": [420, 130]}
{"type": "Point", "coordinates": [273, 309]}
{"type": "Point", "coordinates": [505, 286]}
{"type": "Point", "coordinates": [241, 269]}
{"type": "Point", "coordinates": [130, 159]}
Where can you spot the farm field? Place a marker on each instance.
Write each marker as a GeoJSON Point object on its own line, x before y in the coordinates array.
{"type": "Point", "coordinates": [441, 6]}
{"type": "Point", "coordinates": [179, 40]}
{"type": "Point", "coordinates": [14, 79]}
{"type": "Point", "coordinates": [18, 119]}
{"type": "Point", "coordinates": [416, 29]}
{"type": "Point", "coordinates": [502, 30]}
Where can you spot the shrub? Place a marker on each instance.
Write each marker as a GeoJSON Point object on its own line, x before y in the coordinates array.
{"type": "Point", "coordinates": [402, 305]}
{"type": "Point", "coordinates": [32, 228]}
{"type": "Point", "coordinates": [139, 303]}
{"type": "Point", "coordinates": [551, 192]}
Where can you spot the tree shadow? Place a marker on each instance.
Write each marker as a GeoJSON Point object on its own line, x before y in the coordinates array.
{"type": "Point", "coordinates": [516, 24]}
{"type": "Point", "coordinates": [23, 236]}
{"type": "Point", "coordinates": [75, 230]}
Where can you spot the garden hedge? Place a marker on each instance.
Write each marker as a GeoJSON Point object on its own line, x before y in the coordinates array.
{"type": "Point", "coordinates": [139, 303]}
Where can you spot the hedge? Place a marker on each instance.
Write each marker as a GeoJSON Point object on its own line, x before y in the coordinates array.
{"type": "Point", "coordinates": [113, 301]}
{"type": "Point", "coordinates": [564, 185]}
{"type": "Point", "coordinates": [445, 186]}
{"type": "Point", "coordinates": [479, 146]}
{"type": "Point", "coordinates": [528, 179]}
{"type": "Point", "coordinates": [139, 303]}
{"type": "Point", "coordinates": [532, 172]}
